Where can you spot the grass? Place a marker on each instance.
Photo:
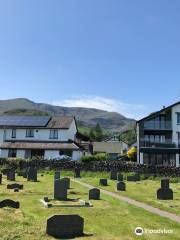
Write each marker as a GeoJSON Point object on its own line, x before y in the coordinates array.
{"type": "Point", "coordinates": [143, 191]}
{"type": "Point", "coordinates": [108, 219]}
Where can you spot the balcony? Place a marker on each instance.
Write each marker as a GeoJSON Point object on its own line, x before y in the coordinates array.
{"type": "Point", "coordinates": [167, 144]}
{"type": "Point", "coordinates": [158, 125]}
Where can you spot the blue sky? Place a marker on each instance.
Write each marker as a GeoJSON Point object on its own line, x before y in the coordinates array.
{"type": "Point", "coordinates": [119, 55]}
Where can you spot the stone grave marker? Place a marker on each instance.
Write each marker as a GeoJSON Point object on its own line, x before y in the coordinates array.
{"type": "Point", "coordinates": [133, 178]}
{"type": "Point", "coordinates": [113, 175]}
{"type": "Point", "coordinates": [121, 186]}
{"type": "Point", "coordinates": [67, 181]}
{"type": "Point", "coordinates": [32, 174]}
{"type": "Point", "coordinates": [94, 194]}
{"type": "Point", "coordinates": [15, 185]}
{"type": "Point", "coordinates": [60, 189]}
{"type": "Point", "coordinates": [120, 177]}
{"type": "Point", "coordinates": [57, 175]}
{"type": "Point", "coordinates": [65, 226]}
{"type": "Point", "coordinates": [0, 178]}
{"type": "Point", "coordinates": [77, 173]}
{"type": "Point", "coordinates": [9, 203]}
{"type": "Point", "coordinates": [16, 189]}
{"type": "Point", "coordinates": [11, 175]}
{"type": "Point", "coordinates": [103, 182]}
{"type": "Point", "coordinates": [165, 193]}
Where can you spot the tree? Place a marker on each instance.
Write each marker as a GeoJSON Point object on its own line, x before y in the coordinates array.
{"type": "Point", "coordinates": [92, 134]}
{"type": "Point", "coordinates": [98, 132]}
{"type": "Point", "coordinates": [132, 154]}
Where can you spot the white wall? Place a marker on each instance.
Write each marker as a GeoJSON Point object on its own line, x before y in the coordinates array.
{"type": "Point", "coordinates": [76, 155]}
{"type": "Point", "coordinates": [42, 134]}
{"type": "Point", "coordinates": [4, 153]}
{"type": "Point", "coordinates": [20, 153]}
{"type": "Point", "coordinates": [51, 154]}
{"type": "Point", "coordinates": [175, 126]}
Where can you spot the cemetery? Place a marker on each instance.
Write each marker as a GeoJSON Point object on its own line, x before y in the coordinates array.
{"type": "Point", "coordinates": [51, 204]}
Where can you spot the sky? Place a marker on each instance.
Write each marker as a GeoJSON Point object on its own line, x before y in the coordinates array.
{"type": "Point", "coordinates": [116, 55]}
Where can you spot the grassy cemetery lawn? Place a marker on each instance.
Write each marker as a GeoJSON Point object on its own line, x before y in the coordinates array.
{"type": "Point", "coordinates": [143, 191]}
{"type": "Point", "coordinates": [108, 219]}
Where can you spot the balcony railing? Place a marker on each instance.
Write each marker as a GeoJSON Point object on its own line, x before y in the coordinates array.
{"type": "Point", "coordinates": [166, 144]}
{"type": "Point", "coordinates": [158, 125]}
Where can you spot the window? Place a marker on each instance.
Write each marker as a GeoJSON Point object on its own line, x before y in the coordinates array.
{"type": "Point", "coordinates": [178, 118]}
{"type": "Point", "coordinates": [12, 153]}
{"type": "Point", "coordinates": [13, 133]}
{"type": "Point", "coordinates": [30, 133]}
{"type": "Point", "coordinates": [53, 134]}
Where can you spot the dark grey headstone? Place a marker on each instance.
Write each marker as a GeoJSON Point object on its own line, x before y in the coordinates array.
{"type": "Point", "coordinates": [15, 185]}
{"type": "Point", "coordinates": [60, 190]}
{"type": "Point", "coordinates": [46, 199]}
{"type": "Point", "coordinates": [120, 177]}
{"type": "Point", "coordinates": [103, 182]}
{"type": "Point", "coordinates": [121, 186]}
{"type": "Point", "coordinates": [94, 194]}
{"type": "Point", "coordinates": [32, 174]}
{"type": "Point", "coordinates": [133, 178]}
{"type": "Point", "coordinates": [165, 194]}
{"type": "Point", "coordinates": [16, 189]}
{"type": "Point", "coordinates": [0, 178]}
{"type": "Point", "coordinates": [113, 175]}
{"type": "Point", "coordinates": [11, 175]}
{"type": "Point", "coordinates": [65, 226]}
{"type": "Point", "coordinates": [165, 183]}
{"type": "Point", "coordinates": [77, 173]}
{"type": "Point", "coordinates": [56, 175]}
{"type": "Point", "coordinates": [9, 203]}
{"type": "Point", "coordinates": [67, 181]}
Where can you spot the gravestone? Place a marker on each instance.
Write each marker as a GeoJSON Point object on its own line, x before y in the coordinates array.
{"type": "Point", "coordinates": [11, 175]}
{"type": "Point", "coordinates": [65, 226]}
{"type": "Point", "coordinates": [77, 173]}
{"type": "Point", "coordinates": [57, 175]}
{"type": "Point", "coordinates": [113, 175]}
{"type": "Point", "coordinates": [46, 199]}
{"type": "Point", "coordinates": [60, 189]}
{"type": "Point", "coordinates": [121, 186]}
{"type": "Point", "coordinates": [15, 185]}
{"type": "Point", "coordinates": [32, 174]}
{"type": "Point", "coordinates": [0, 178]}
{"type": "Point", "coordinates": [103, 182]}
{"type": "Point", "coordinates": [16, 189]}
{"type": "Point", "coordinates": [165, 193]}
{"type": "Point", "coordinates": [67, 181]}
{"type": "Point", "coordinates": [120, 177]}
{"type": "Point", "coordinates": [94, 194]}
{"type": "Point", "coordinates": [133, 178]}
{"type": "Point", "coordinates": [24, 174]}
{"type": "Point", "coordinates": [9, 203]}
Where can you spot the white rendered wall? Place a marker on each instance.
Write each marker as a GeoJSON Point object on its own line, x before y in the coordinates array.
{"type": "Point", "coordinates": [20, 153]}
{"type": "Point", "coordinates": [41, 134]}
{"type": "Point", "coordinates": [51, 154]}
{"type": "Point", "coordinates": [4, 153]}
{"type": "Point", "coordinates": [76, 155]}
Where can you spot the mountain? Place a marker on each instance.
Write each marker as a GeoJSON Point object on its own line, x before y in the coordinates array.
{"type": "Point", "coordinates": [110, 121]}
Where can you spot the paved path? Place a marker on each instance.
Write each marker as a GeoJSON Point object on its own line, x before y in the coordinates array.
{"type": "Point", "coordinates": [131, 201]}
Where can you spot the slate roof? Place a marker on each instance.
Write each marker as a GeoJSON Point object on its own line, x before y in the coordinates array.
{"type": "Point", "coordinates": [36, 121]}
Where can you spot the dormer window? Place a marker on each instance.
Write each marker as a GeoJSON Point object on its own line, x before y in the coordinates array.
{"type": "Point", "coordinates": [53, 134]}
{"type": "Point", "coordinates": [13, 133]}
{"type": "Point", "coordinates": [29, 132]}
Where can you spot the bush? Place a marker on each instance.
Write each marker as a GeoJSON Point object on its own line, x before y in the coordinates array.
{"type": "Point", "coordinates": [97, 157]}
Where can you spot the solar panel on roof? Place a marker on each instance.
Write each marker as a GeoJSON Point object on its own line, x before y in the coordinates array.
{"type": "Point", "coordinates": [24, 121]}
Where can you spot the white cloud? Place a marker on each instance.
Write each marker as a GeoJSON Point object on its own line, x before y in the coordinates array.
{"type": "Point", "coordinates": [129, 110]}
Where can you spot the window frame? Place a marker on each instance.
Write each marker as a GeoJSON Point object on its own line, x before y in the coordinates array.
{"type": "Point", "coordinates": [31, 131]}
{"type": "Point", "coordinates": [53, 134]}
{"type": "Point", "coordinates": [13, 133]}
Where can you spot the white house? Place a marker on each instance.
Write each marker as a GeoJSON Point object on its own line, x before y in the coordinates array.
{"type": "Point", "coordinates": [158, 137]}
{"type": "Point", "coordinates": [29, 136]}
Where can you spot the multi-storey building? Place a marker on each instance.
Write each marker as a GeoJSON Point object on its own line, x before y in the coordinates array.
{"type": "Point", "coordinates": [29, 136]}
{"type": "Point", "coordinates": [158, 137]}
